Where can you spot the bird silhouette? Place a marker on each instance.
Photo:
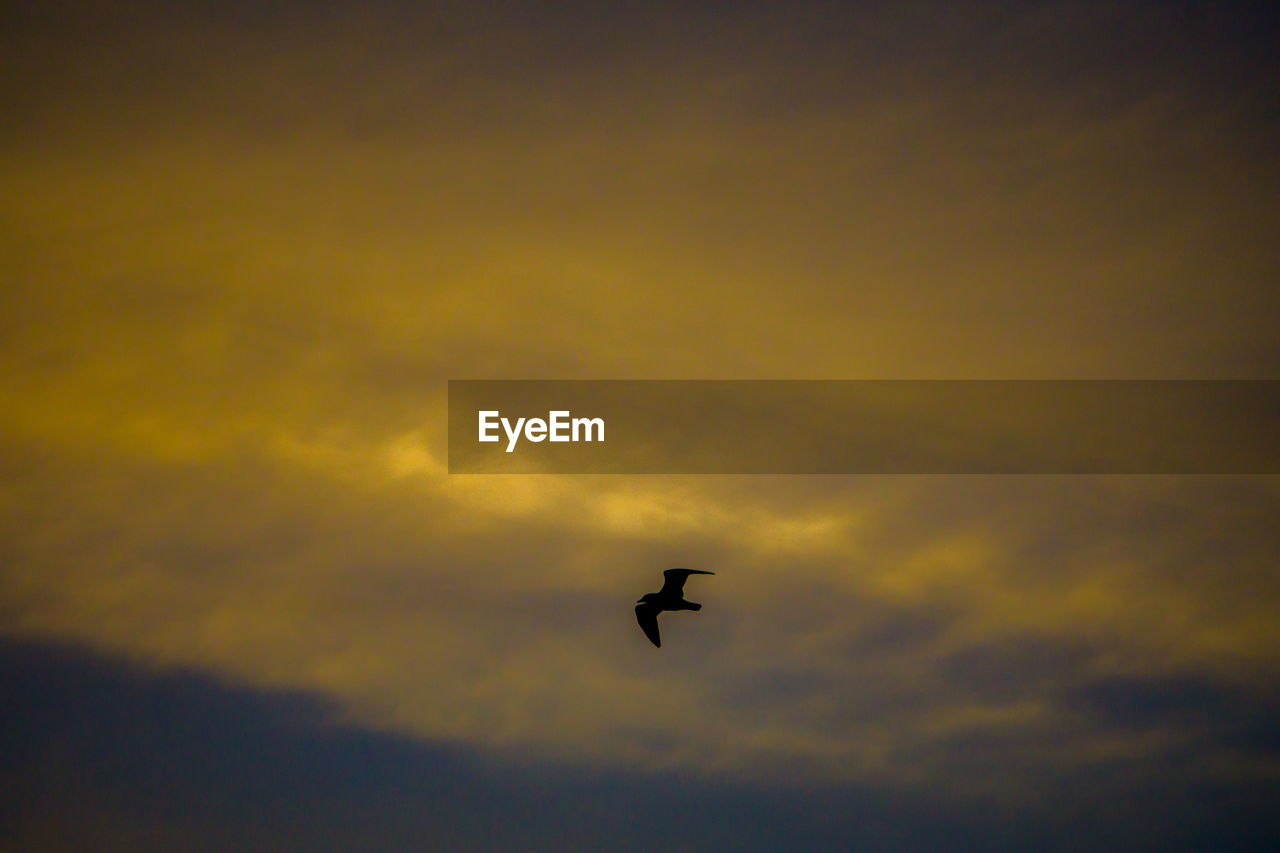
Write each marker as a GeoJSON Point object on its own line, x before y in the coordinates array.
{"type": "Point", "coordinates": [670, 597]}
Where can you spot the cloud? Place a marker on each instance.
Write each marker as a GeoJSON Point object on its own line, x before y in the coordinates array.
{"type": "Point", "coordinates": [497, 613]}
{"type": "Point", "coordinates": [229, 321]}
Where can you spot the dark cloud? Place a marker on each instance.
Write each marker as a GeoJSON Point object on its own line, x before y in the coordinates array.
{"type": "Point", "coordinates": [101, 754]}
{"type": "Point", "coordinates": [1228, 716]}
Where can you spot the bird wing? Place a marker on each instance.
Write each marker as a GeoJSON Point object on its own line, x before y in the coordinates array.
{"type": "Point", "coordinates": [647, 616]}
{"type": "Point", "coordinates": [675, 578]}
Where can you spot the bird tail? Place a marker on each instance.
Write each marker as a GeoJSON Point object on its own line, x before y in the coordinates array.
{"type": "Point", "coordinates": [693, 605]}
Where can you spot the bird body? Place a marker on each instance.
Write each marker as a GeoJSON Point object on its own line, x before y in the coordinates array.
{"type": "Point", "coordinates": [670, 597]}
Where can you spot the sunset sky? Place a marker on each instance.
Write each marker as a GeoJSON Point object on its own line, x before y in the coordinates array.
{"type": "Point", "coordinates": [244, 605]}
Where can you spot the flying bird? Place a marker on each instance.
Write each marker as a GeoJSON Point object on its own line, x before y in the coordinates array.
{"type": "Point", "coordinates": [670, 597]}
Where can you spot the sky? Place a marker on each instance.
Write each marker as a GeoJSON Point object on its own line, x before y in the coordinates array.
{"type": "Point", "coordinates": [244, 605]}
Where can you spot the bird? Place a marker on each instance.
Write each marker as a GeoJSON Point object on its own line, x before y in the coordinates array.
{"type": "Point", "coordinates": [670, 597]}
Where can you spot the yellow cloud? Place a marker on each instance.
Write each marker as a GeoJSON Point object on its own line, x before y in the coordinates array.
{"type": "Point", "coordinates": [224, 339]}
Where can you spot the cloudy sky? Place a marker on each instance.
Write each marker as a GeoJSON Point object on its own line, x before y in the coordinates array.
{"type": "Point", "coordinates": [243, 605]}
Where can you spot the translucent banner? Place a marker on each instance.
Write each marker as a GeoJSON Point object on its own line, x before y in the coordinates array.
{"type": "Point", "coordinates": [864, 427]}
